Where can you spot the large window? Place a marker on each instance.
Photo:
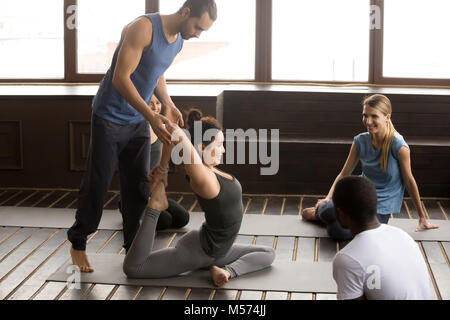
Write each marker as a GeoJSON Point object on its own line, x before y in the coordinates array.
{"type": "Point", "coordinates": [416, 39]}
{"type": "Point", "coordinates": [387, 42]}
{"type": "Point", "coordinates": [321, 40]}
{"type": "Point", "coordinates": [31, 39]}
{"type": "Point", "coordinates": [100, 23]}
{"type": "Point", "coordinates": [226, 51]}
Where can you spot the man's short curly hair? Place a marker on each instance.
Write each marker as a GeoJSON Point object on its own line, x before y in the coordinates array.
{"type": "Point", "coordinates": [357, 197]}
{"type": "Point", "coordinates": [199, 7]}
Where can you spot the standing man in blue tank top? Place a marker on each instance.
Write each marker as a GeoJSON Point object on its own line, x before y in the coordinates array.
{"type": "Point", "coordinates": [121, 113]}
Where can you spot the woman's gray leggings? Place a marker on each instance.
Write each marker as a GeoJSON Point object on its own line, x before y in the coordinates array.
{"type": "Point", "coordinates": [187, 255]}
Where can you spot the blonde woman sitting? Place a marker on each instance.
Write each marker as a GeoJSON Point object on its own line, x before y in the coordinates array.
{"type": "Point", "coordinates": [385, 160]}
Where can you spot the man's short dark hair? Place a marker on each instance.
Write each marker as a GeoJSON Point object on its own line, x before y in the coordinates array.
{"type": "Point", "coordinates": [357, 197]}
{"type": "Point", "coordinates": [199, 7]}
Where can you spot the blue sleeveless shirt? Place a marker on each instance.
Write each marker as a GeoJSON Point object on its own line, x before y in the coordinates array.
{"type": "Point", "coordinates": [109, 103]}
{"type": "Point", "coordinates": [389, 184]}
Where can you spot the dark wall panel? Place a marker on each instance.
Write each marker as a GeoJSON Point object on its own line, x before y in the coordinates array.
{"type": "Point", "coordinates": [44, 140]}
{"type": "Point", "coordinates": [316, 131]}
{"type": "Point", "coordinates": [11, 145]}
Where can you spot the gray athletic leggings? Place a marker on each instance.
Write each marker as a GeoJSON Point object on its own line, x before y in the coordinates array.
{"type": "Point", "coordinates": [187, 255]}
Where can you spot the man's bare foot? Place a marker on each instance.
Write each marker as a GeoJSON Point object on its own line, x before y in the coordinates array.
{"type": "Point", "coordinates": [219, 276]}
{"type": "Point", "coordinates": [309, 214]}
{"type": "Point", "coordinates": [158, 200]}
{"type": "Point", "coordinates": [80, 259]}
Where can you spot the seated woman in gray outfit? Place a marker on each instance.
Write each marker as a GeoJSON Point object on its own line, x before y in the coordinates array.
{"type": "Point", "coordinates": [385, 161]}
{"type": "Point", "coordinates": [220, 196]}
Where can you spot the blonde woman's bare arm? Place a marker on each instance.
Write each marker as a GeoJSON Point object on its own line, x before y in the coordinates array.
{"type": "Point", "coordinates": [404, 159]}
{"type": "Point", "coordinates": [349, 166]}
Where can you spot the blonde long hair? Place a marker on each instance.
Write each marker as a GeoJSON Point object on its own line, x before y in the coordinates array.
{"type": "Point", "coordinates": [383, 104]}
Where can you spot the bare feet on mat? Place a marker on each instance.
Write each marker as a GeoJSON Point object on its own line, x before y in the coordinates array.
{"type": "Point", "coordinates": [309, 214]}
{"type": "Point", "coordinates": [80, 259]}
{"type": "Point", "coordinates": [424, 225]}
{"type": "Point", "coordinates": [219, 276]}
{"type": "Point", "coordinates": [158, 200]}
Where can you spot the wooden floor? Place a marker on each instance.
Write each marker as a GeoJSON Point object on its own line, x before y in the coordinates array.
{"type": "Point", "coordinates": [29, 255]}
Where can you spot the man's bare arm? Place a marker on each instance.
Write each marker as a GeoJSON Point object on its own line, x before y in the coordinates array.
{"type": "Point", "coordinates": [136, 37]}
{"type": "Point", "coordinates": [172, 112]}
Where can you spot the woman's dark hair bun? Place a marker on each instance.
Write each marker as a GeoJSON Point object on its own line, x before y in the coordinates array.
{"type": "Point", "coordinates": [193, 115]}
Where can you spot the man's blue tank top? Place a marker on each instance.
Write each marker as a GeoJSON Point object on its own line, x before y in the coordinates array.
{"type": "Point", "coordinates": [109, 103]}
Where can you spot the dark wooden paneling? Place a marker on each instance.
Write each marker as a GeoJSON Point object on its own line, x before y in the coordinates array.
{"type": "Point", "coordinates": [79, 139]}
{"type": "Point", "coordinates": [311, 167]}
{"type": "Point", "coordinates": [11, 145]}
{"type": "Point", "coordinates": [55, 138]}
{"type": "Point", "coordinates": [331, 115]}
{"type": "Point", "coordinates": [316, 130]}
{"type": "Point", "coordinates": [206, 104]}
{"type": "Point", "coordinates": [45, 139]}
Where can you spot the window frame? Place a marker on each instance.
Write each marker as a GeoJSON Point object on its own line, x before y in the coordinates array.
{"type": "Point", "coordinates": [263, 56]}
{"type": "Point", "coordinates": [378, 63]}
{"type": "Point", "coordinates": [71, 50]}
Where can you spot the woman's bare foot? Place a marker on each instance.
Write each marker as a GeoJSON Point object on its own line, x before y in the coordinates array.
{"type": "Point", "coordinates": [158, 200]}
{"type": "Point", "coordinates": [219, 276]}
{"type": "Point", "coordinates": [309, 214]}
{"type": "Point", "coordinates": [80, 259]}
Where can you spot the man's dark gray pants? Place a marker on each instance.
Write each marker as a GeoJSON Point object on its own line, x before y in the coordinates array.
{"type": "Point", "coordinates": [112, 144]}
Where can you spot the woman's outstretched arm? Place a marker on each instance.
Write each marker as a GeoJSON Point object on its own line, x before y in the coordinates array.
{"type": "Point", "coordinates": [349, 166]}
{"type": "Point", "coordinates": [411, 185]}
{"type": "Point", "coordinates": [203, 182]}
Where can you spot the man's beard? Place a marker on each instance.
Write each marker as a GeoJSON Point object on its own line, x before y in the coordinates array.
{"type": "Point", "coordinates": [185, 36]}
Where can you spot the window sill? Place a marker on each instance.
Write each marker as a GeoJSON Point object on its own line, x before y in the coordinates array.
{"type": "Point", "coordinates": [211, 90]}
